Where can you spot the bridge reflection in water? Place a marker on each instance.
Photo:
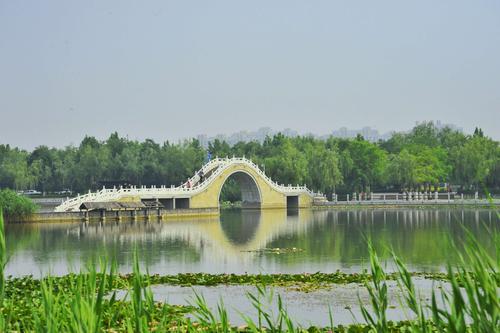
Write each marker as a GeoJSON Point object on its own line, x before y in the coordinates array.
{"type": "Point", "coordinates": [329, 240]}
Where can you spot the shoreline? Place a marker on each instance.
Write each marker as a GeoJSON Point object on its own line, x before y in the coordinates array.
{"type": "Point", "coordinates": [165, 215]}
{"type": "Point", "coordinates": [415, 205]}
{"type": "Point", "coordinates": [118, 215]}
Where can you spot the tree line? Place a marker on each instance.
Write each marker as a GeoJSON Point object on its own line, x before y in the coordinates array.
{"type": "Point", "coordinates": [422, 159]}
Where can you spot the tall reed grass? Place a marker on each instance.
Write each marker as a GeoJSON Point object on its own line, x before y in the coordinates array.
{"type": "Point", "coordinates": [472, 303]}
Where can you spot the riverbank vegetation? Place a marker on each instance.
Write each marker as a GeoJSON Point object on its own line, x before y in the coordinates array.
{"type": "Point", "coordinates": [14, 205]}
{"type": "Point", "coordinates": [91, 301]}
{"type": "Point", "coordinates": [422, 159]}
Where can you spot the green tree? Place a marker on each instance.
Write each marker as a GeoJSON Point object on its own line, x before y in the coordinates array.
{"type": "Point", "coordinates": [425, 134]}
{"type": "Point", "coordinates": [220, 148]}
{"type": "Point", "coordinates": [401, 169]}
{"type": "Point", "coordinates": [475, 161]}
{"type": "Point", "coordinates": [324, 170]}
{"type": "Point", "coordinates": [363, 164]}
{"type": "Point", "coordinates": [431, 165]}
{"type": "Point", "coordinates": [41, 167]}
{"type": "Point", "coordinates": [130, 160]}
{"type": "Point", "coordinates": [284, 163]}
{"type": "Point", "coordinates": [14, 168]}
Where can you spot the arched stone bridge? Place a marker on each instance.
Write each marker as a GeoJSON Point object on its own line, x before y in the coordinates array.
{"type": "Point", "coordinates": [204, 188]}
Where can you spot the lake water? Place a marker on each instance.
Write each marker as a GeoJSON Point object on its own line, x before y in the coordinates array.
{"type": "Point", "coordinates": [306, 309]}
{"type": "Point", "coordinates": [328, 240]}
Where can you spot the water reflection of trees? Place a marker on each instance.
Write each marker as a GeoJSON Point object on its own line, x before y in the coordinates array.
{"type": "Point", "coordinates": [88, 241]}
{"type": "Point", "coordinates": [421, 237]}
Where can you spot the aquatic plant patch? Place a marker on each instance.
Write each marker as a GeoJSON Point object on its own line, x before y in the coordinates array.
{"type": "Point", "coordinates": [276, 250]}
{"type": "Point", "coordinates": [28, 283]}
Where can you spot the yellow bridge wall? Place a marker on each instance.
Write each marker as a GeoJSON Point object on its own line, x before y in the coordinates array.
{"type": "Point", "coordinates": [269, 197]}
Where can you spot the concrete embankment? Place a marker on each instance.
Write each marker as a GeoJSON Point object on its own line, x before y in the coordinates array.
{"type": "Point", "coordinates": [169, 214]}
{"type": "Point", "coordinates": [495, 204]}
{"type": "Point", "coordinates": [139, 215]}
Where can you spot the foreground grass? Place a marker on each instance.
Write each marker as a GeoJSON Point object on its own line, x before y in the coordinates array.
{"type": "Point", "coordinates": [88, 302]}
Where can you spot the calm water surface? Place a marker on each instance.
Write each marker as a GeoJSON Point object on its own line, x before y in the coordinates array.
{"type": "Point", "coordinates": [329, 240]}
{"type": "Point", "coordinates": [306, 309]}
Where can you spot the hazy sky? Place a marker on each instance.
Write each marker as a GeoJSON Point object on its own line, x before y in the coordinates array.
{"type": "Point", "coordinates": [174, 69]}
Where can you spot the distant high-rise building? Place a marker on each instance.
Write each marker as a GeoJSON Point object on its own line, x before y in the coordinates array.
{"type": "Point", "coordinates": [440, 125]}
{"type": "Point", "coordinates": [260, 135]}
{"type": "Point", "coordinates": [368, 133]}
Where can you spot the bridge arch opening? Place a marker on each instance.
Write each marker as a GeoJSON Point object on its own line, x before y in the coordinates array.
{"type": "Point", "coordinates": [241, 186]}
